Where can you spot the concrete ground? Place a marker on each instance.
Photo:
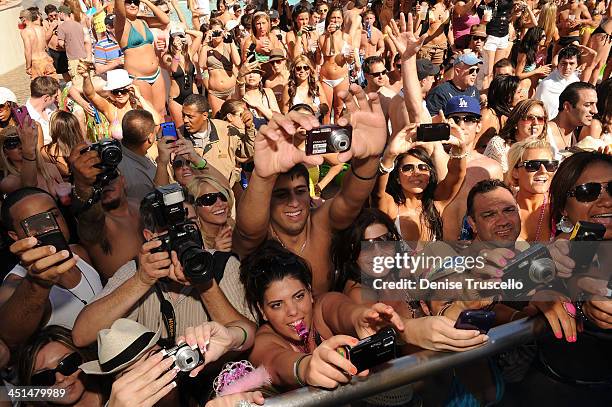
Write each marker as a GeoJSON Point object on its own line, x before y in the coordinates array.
{"type": "Point", "coordinates": [19, 82]}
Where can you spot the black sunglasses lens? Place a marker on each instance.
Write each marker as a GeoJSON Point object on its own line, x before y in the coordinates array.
{"type": "Point", "coordinates": [407, 168]}
{"type": "Point", "coordinates": [210, 199]}
{"type": "Point", "coordinates": [45, 378]}
{"type": "Point", "coordinates": [70, 364]}
{"type": "Point", "coordinates": [551, 166]}
{"type": "Point", "coordinates": [532, 166]}
{"type": "Point", "coordinates": [588, 192]}
{"type": "Point", "coordinates": [178, 164]}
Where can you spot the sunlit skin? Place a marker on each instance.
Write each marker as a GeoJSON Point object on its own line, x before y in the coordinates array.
{"type": "Point", "coordinates": [215, 214]}
{"type": "Point", "coordinates": [5, 112]}
{"type": "Point", "coordinates": [48, 357]}
{"type": "Point", "coordinates": [598, 211]}
{"type": "Point", "coordinates": [586, 107]}
{"type": "Point", "coordinates": [413, 183]}
{"type": "Point", "coordinates": [534, 182]}
{"type": "Point", "coordinates": [286, 302]}
{"type": "Point", "coordinates": [527, 128]}
{"type": "Point", "coordinates": [193, 119]}
{"type": "Point", "coordinates": [521, 92]}
{"type": "Point", "coordinates": [379, 80]}
{"type": "Point", "coordinates": [183, 175]}
{"type": "Point", "coordinates": [369, 251]}
{"type": "Point", "coordinates": [496, 218]}
{"type": "Point", "coordinates": [567, 67]}
{"type": "Point", "coordinates": [290, 204]}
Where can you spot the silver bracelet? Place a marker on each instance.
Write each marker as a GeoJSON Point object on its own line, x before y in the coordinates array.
{"type": "Point", "coordinates": [383, 169]}
{"type": "Point", "coordinates": [458, 156]}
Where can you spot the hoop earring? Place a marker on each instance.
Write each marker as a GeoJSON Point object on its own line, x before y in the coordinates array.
{"type": "Point", "coordinates": [564, 225]}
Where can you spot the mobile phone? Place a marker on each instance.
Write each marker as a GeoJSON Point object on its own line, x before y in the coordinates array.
{"type": "Point", "coordinates": [251, 56]}
{"type": "Point", "coordinates": [428, 132]}
{"type": "Point", "coordinates": [45, 229]}
{"type": "Point", "coordinates": [477, 319]}
{"type": "Point", "coordinates": [168, 130]}
{"type": "Point", "coordinates": [328, 139]}
{"type": "Point", "coordinates": [371, 351]}
{"type": "Point", "coordinates": [20, 114]}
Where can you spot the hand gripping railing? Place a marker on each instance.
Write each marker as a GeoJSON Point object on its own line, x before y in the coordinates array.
{"type": "Point", "coordinates": [410, 368]}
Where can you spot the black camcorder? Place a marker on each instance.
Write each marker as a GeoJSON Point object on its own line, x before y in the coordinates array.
{"type": "Point", "coordinates": [109, 151]}
{"type": "Point", "coordinates": [183, 236]}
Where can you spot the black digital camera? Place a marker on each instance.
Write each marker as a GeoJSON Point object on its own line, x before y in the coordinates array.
{"type": "Point", "coordinates": [187, 359]}
{"type": "Point", "coordinates": [581, 252]}
{"type": "Point", "coordinates": [328, 139]}
{"type": "Point", "coordinates": [183, 236]}
{"type": "Point", "coordinates": [109, 151]}
{"type": "Point", "coordinates": [527, 270]}
{"type": "Point", "coordinates": [371, 351]}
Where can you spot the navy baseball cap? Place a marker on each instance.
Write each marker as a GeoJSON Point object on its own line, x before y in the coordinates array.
{"type": "Point", "coordinates": [462, 104]}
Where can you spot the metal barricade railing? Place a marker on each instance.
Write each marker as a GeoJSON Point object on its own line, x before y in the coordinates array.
{"type": "Point", "coordinates": [408, 369]}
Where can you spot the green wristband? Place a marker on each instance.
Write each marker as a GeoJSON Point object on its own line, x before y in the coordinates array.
{"type": "Point", "coordinates": [201, 165]}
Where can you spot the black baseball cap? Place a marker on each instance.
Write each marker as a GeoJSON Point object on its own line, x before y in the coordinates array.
{"type": "Point", "coordinates": [426, 68]}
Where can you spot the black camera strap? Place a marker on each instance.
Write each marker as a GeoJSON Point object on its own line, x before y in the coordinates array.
{"type": "Point", "coordinates": [167, 311]}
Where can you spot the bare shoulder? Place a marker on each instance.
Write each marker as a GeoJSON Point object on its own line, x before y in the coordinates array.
{"type": "Point", "coordinates": [489, 165]}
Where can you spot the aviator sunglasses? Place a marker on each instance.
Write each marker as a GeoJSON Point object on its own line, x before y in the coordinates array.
{"type": "Point", "coordinates": [590, 191]}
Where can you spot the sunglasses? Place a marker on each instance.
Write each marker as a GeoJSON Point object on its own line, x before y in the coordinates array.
{"type": "Point", "coordinates": [11, 143]}
{"type": "Point", "coordinates": [379, 74]}
{"type": "Point", "coordinates": [478, 38]}
{"type": "Point", "coordinates": [590, 191]}
{"type": "Point", "coordinates": [210, 199]}
{"type": "Point", "coordinates": [301, 68]}
{"type": "Point", "coordinates": [473, 70]}
{"type": "Point", "coordinates": [535, 165]}
{"type": "Point", "coordinates": [179, 163]}
{"type": "Point", "coordinates": [134, 2]}
{"type": "Point", "coordinates": [387, 237]}
{"type": "Point", "coordinates": [534, 119]}
{"type": "Point", "coordinates": [469, 119]}
{"type": "Point", "coordinates": [120, 92]}
{"type": "Point", "coordinates": [66, 367]}
{"type": "Point", "coordinates": [5, 105]}
{"type": "Point", "coordinates": [411, 168]}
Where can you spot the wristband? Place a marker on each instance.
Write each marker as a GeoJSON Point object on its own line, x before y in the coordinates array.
{"type": "Point", "coordinates": [363, 178]}
{"type": "Point", "coordinates": [296, 370]}
{"type": "Point", "coordinates": [384, 170]}
{"type": "Point", "coordinates": [200, 166]}
{"type": "Point", "coordinates": [244, 332]}
{"type": "Point", "coordinates": [459, 156]}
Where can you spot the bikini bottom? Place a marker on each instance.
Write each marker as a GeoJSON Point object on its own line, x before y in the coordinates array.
{"type": "Point", "coordinates": [148, 79]}
{"type": "Point", "coordinates": [221, 94]}
{"type": "Point", "coordinates": [332, 83]}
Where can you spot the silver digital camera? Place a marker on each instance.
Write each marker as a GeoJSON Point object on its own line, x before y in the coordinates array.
{"type": "Point", "coordinates": [187, 359]}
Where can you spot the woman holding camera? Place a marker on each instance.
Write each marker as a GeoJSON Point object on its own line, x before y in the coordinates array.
{"type": "Point", "coordinates": [65, 133]}
{"type": "Point", "coordinates": [214, 204]}
{"type": "Point", "coordinates": [337, 53]}
{"type": "Point", "coordinates": [219, 57]}
{"type": "Point", "coordinates": [303, 38]}
{"type": "Point", "coordinates": [179, 62]}
{"type": "Point", "coordinates": [52, 360]}
{"type": "Point", "coordinates": [22, 163]}
{"type": "Point", "coordinates": [298, 339]}
{"type": "Point", "coordinates": [122, 97]}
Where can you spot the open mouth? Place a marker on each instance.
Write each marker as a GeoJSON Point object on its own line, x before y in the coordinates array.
{"type": "Point", "coordinates": [296, 323]}
{"type": "Point", "coordinates": [504, 233]}
{"type": "Point", "coordinates": [540, 180]}
{"type": "Point", "coordinates": [293, 215]}
{"type": "Point", "coordinates": [219, 212]}
{"type": "Point", "coordinates": [602, 218]}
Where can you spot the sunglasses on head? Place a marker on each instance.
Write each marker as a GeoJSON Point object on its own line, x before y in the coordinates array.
{"type": "Point", "coordinates": [11, 143]}
{"type": "Point", "coordinates": [179, 163]}
{"type": "Point", "coordinates": [473, 70]}
{"type": "Point", "coordinates": [120, 92]}
{"type": "Point", "coordinates": [210, 199]}
{"type": "Point", "coordinates": [301, 68]}
{"type": "Point", "coordinates": [379, 74]}
{"type": "Point", "coordinates": [66, 367]}
{"type": "Point", "coordinates": [411, 168]}
{"type": "Point", "coordinates": [134, 2]}
{"type": "Point", "coordinates": [469, 119]}
{"type": "Point", "coordinates": [387, 237]}
{"type": "Point", "coordinates": [590, 191]}
{"type": "Point", "coordinates": [532, 118]}
{"type": "Point", "coordinates": [535, 165]}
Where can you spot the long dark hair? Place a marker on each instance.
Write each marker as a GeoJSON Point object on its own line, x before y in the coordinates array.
{"type": "Point", "coordinates": [500, 94]}
{"type": "Point", "coordinates": [530, 43]}
{"type": "Point", "coordinates": [346, 246]}
{"type": "Point", "coordinates": [269, 263]}
{"type": "Point", "coordinates": [566, 176]}
{"type": "Point", "coordinates": [313, 88]}
{"type": "Point", "coordinates": [430, 216]}
{"type": "Point", "coordinates": [604, 102]}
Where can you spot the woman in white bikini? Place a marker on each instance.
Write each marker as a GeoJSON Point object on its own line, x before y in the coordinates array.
{"type": "Point", "coordinates": [304, 88]}
{"type": "Point", "coordinates": [337, 52]}
{"type": "Point", "coordinates": [136, 40]}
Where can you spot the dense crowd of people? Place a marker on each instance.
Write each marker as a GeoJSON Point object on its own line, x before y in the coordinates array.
{"type": "Point", "coordinates": [183, 203]}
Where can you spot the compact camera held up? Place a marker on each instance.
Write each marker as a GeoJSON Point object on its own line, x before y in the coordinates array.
{"type": "Point", "coordinates": [329, 139]}
{"type": "Point", "coordinates": [528, 270]}
{"type": "Point", "coordinates": [183, 236]}
{"type": "Point", "coordinates": [187, 359]}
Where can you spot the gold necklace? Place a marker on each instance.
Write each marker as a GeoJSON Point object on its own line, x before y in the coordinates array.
{"type": "Point", "coordinates": [283, 244]}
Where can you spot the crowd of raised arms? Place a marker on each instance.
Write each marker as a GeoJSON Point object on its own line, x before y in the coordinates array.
{"type": "Point", "coordinates": [168, 195]}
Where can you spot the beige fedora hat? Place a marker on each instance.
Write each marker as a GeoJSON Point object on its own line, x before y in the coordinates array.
{"type": "Point", "coordinates": [120, 346]}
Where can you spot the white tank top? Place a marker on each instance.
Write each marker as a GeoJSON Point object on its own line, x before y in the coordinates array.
{"type": "Point", "coordinates": [64, 305]}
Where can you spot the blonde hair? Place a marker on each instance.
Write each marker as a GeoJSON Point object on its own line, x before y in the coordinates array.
{"type": "Point", "coordinates": [516, 152]}
{"type": "Point", "coordinates": [8, 167]}
{"type": "Point", "coordinates": [547, 20]}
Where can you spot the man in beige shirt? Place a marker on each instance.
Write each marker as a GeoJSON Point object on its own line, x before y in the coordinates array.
{"type": "Point", "coordinates": [215, 140]}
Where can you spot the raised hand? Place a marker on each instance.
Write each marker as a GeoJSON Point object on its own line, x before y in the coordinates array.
{"type": "Point", "coordinates": [403, 37]}
{"type": "Point", "coordinates": [371, 319]}
{"type": "Point", "coordinates": [368, 122]}
{"type": "Point", "coordinates": [275, 150]}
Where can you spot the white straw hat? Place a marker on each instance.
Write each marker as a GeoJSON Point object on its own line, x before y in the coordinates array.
{"type": "Point", "coordinates": [120, 346]}
{"type": "Point", "coordinates": [117, 79]}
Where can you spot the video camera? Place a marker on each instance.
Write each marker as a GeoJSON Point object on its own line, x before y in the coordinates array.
{"type": "Point", "coordinates": [183, 236]}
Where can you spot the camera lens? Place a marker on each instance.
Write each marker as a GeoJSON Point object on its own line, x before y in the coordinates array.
{"type": "Point", "coordinates": [340, 140]}
{"type": "Point", "coordinates": [187, 359]}
{"type": "Point", "coordinates": [111, 155]}
{"type": "Point", "coordinates": [196, 262]}
{"type": "Point", "coordinates": [542, 271]}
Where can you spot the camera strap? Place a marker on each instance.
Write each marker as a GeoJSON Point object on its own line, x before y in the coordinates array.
{"type": "Point", "coordinates": [167, 311]}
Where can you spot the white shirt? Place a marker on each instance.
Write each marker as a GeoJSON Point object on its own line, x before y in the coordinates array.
{"type": "Point", "coordinates": [550, 88]}
{"type": "Point", "coordinates": [65, 306]}
{"type": "Point", "coordinates": [44, 123]}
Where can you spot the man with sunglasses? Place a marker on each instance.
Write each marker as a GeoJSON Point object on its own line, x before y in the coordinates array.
{"type": "Point", "coordinates": [377, 78]}
{"type": "Point", "coordinates": [465, 112]}
{"type": "Point", "coordinates": [465, 71]}
{"type": "Point", "coordinates": [577, 108]}
{"type": "Point", "coordinates": [48, 286]}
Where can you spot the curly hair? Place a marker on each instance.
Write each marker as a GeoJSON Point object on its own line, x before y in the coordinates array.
{"type": "Point", "coordinates": [429, 215]}
{"type": "Point", "coordinates": [313, 87]}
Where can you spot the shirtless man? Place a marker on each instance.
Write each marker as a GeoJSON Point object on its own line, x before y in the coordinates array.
{"type": "Point", "coordinates": [57, 53]}
{"type": "Point", "coordinates": [38, 62]}
{"type": "Point", "coordinates": [571, 16]}
{"type": "Point", "coordinates": [109, 230]}
{"type": "Point", "coordinates": [276, 205]}
{"type": "Point", "coordinates": [371, 37]}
